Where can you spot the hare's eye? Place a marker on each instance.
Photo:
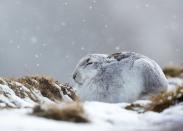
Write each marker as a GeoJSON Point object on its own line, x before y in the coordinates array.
{"type": "Point", "coordinates": [88, 60]}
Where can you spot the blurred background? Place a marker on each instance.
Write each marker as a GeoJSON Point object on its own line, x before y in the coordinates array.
{"type": "Point", "coordinates": [50, 36]}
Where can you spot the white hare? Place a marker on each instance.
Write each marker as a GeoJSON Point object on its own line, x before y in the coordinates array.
{"type": "Point", "coordinates": [120, 77]}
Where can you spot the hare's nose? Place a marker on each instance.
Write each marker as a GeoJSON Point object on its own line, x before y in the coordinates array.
{"type": "Point", "coordinates": [74, 76]}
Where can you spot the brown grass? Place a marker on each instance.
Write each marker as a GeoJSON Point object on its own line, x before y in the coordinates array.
{"type": "Point", "coordinates": [160, 102]}
{"type": "Point", "coordinates": [46, 85]}
{"type": "Point", "coordinates": [166, 100]}
{"type": "Point", "coordinates": [2, 81]}
{"type": "Point", "coordinates": [72, 112]}
{"type": "Point", "coordinates": [136, 107]}
{"type": "Point", "coordinates": [173, 71]}
{"type": "Point", "coordinates": [68, 90]}
{"type": "Point", "coordinates": [33, 85]}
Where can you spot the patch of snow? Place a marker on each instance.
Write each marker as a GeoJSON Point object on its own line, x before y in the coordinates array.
{"type": "Point", "coordinates": [9, 97]}
{"type": "Point", "coordinates": [174, 82]}
{"type": "Point", "coordinates": [102, 116]}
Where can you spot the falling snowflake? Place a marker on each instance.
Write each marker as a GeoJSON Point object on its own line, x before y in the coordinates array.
{"type": "Point", "coordinates": [66, 3]}
{"type": "Point", "coordinates": [18, 46]}
{"type": "Point", "coordinates": [67, 56]}
{"type": "Point", "coordinates": [73, 42]}
{"type": "Point", "coordinates": [177, 50]}
{"type": "Point", "coordinates": [90, 7]}
{"type": "Point", "coordinates": [83, 20]}
{"type": "Point", "coordinates": [36, 56]}
{"type": "Point", "coordinates": [63, 23]}
{"type": "Point", "coordinates": [44, 44]}
{"type": "Point", "coordinates": [37, 64]}
{"type": "Point", "coordinates": [11, 41]}
{"type": "Point", "coordinates": [18, 2]}
{"type": "Point", "coordinates": [94, 1]}
{"type": "Point", "coordinates": [117, 48]}
{"type": "Point", "coordinates": [174, 16]}
{"type": "Point", "coordinates": [82, 48]}
{"type": "Point", "coordinates": [33, 40]}
{"type": "Point", "coordinates": [17, 31]}
{"type": "Point", "coordinates": [106, 26]}
{"type": "Point", "coordinates": [146, 5]}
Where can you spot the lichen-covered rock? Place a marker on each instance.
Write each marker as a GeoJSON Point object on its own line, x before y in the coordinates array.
{"type": "Point", "coordinates": [31, 90]}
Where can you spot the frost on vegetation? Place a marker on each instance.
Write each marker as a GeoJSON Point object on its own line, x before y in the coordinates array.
{"type": "Point", "coordinates": [160, 102]}
{"type": "Point", "coordinates": [29, 91]}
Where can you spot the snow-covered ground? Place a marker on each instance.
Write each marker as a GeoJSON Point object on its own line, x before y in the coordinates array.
{"type": "Point", "coordinates": [102, 117]}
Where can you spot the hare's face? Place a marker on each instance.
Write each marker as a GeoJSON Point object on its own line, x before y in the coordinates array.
{"type": "Point", "coordinates": [88, 68]}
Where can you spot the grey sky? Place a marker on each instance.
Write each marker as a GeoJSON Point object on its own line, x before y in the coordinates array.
{"type": "Point", "coordinates": [50, 36]}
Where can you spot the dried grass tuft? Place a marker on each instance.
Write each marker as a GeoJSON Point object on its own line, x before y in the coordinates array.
{"type": "Point", "coordinates": [160, 102]}
{"type": "Point", "coordinates": [72, 112]}
{"type": "Point", "coordinates": [39, 89]}
{"type": "Point", "coordinates": [173, 71]}
{"type": "Point", "coordinates": [166, 100]}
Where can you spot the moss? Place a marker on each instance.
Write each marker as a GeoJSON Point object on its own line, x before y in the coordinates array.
{"type": "Point", "coordinates": [72, 112]}
{"type": "Point", "coordinates": [173, 71]}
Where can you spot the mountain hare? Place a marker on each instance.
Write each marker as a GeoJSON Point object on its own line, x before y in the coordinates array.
{"type": "Point", "coordinates": [120, 77]}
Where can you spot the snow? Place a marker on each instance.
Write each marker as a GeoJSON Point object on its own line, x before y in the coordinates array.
{"type": "Point", "coordinates": [36, 56]}
{"type": "Point", "coordinates": [11, 99]}
{"type": "Point", "coordinates": [82, 48]}
{"type": "Point", "coordinates": [33, 39]}
{"type": "Point", "coordinates": [174, 82]}
{"type": "Point", "coordinates": [102, 116]}
{"type": "Point", "coordinates": [117, 48]}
